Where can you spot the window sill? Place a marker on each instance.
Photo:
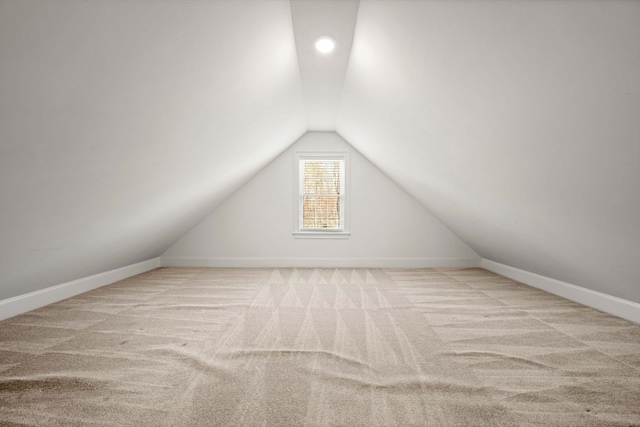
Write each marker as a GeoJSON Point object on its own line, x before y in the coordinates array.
{"type": "Point", "coordinates": [321, 234]}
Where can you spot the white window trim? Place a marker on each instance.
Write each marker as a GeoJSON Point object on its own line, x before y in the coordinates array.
{"type": "Point", "coordinates": [320, 234]}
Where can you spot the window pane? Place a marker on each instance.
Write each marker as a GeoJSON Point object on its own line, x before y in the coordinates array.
{"type": "Point", "coordinates": [321, 177]}
{"type": "Point", "coordinates": [321, 212]}
{"type": "Point", "coordinates": [321, 194]}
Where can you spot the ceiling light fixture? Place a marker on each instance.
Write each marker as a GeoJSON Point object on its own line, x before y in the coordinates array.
{"type": "Point", "coordinates": [325, 44]}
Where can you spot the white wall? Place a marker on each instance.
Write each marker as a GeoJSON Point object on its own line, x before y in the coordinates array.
{"type": "Point", "coordinates": [254, 226]}
{"type": "Point", "coordinates": [123, 124]}
{"type": "Point", "coordinates": [514, 122]}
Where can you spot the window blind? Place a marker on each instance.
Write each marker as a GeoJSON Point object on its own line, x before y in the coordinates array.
{"type": "Point", "coordinates": [321, 194]}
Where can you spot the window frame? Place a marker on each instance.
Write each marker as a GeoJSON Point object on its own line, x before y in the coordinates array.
{"type": "Point", "coordinates": [304, 233]}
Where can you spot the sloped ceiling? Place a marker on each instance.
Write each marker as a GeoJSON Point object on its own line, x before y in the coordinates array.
{"type": "Point", "coordinates": [516, 123]}
{"type": "Point", "coordinates": [122, 124]}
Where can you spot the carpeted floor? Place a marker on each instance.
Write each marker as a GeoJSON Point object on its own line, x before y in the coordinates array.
{"type": "Point", "coordinates": [319, 347]}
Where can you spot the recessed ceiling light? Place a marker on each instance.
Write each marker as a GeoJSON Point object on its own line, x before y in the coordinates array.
{"type": "Point", "coordinates": [325, 44]}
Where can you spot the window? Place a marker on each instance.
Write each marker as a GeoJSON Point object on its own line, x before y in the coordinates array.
{"type": "Point", "coordinates": [321, 190]}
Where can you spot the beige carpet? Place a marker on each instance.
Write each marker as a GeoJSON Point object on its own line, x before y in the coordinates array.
{"type": "Point", "coordinates": [319, 347]}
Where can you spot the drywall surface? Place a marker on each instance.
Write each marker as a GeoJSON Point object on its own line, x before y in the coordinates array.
{"type": "Point", "coordinates": [257, 221]}
{"type": "Point", "coordinates": [124, 123]}
{"type": "Point", "coordinates": [515, 123]}
{"type": "Point", "coordinates": [322, 75]}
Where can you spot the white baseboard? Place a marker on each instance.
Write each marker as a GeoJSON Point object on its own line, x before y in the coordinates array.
{"type": "Point", "coordinates": [267, 262]}
{"type": "Point", "coordinates": [21, 304]}
{"type": "Point", "coordinates": [617, 306]}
